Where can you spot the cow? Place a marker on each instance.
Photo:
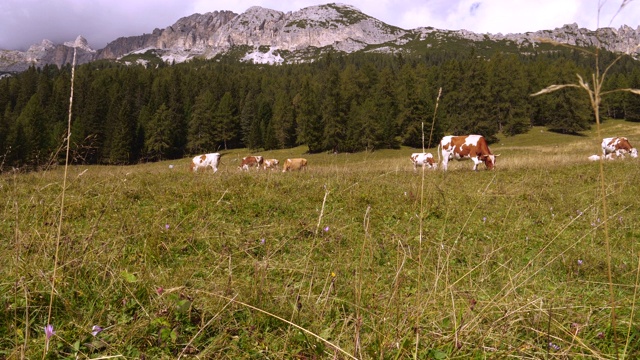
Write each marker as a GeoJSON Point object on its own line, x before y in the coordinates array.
{"type": "Point", "coordinates": [424, 160]}
{"type": "Point", "coordinates": [251, 161]}
{"type": "Point", "coordinates": [472, 147]}
{"type": "Point", "coordinates": [611, 156]}
{"type": "Point", "coordinates": [270, 164]}
{"type": "Point", "coordinates": [204, 161]}
{"type": "Point", "coordinates": [294, 164]}
{"type": "Point", "coordinates": [618, 145]}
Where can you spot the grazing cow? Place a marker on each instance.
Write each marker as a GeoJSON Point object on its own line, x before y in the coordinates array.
{"type": "Point", "coordinates": [251, 161]}
{"type": "Point", "coordinates": [204, 161]}
{"type": "Point", "coordinates": [472, 147]}
{"type": "Point", "coordinates": [294, 164]}
{"type": "Point", "coordinates": [618, 145]}
{"type": "Point", "coordinates": [270, 164]}
{"type": "Point", "coordinates": [424, 160]}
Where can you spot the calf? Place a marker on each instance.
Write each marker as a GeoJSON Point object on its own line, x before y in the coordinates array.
{"type": "Point", "coordinates": [472, 147]}
{"type": "Point", "coordinates": [611, 156]}
{"type": "Point", "coordinates": [270, 164]}
{"type": "Point", "coordinates": [251, 161]}
{"type": "Point", "coordinates": [424, 160]}
{"type": "Point", "coordinates": [618, 145]}
{"type": "Point", "coordinates": [204, 161]}
{"type": "Point", "coordinates": [294, 164]}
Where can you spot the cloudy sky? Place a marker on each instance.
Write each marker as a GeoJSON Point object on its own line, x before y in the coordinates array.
{"type": "Point", "coordinates": [27, 22]}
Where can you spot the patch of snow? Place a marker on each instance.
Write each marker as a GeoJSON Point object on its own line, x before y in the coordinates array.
{"type": "Point", "coordinates": [259, 57]}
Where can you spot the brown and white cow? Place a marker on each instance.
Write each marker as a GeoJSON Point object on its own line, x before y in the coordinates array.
{"type": "Point", "coordinates": [204, 161]}
{"type": "Point", "coordinates": [424, 160]}
{"type": "Point", "coordinates": [618, 145]}
{"type": "Point", "coordinates": [270, 164]}
{"type": "Point", "coordinates": [472, 147]}
{"type": "Point", "coordinates": [251, 161]}
{"type": "Point", "coordinates": [294, 164]}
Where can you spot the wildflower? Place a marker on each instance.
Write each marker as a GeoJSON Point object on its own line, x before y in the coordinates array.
{"type": "Point", "coordinates": [166, 226]}
{"type": "Point", "coordinates": [262, 241]}
{"type": "Point", "coordinates": [95, 330]}
{"type": "Point", "coordinates": [326, 229]}
{"type": "Point", "coordinates": [170, 166]}
{"type": "Point", "coordinates": [159, 290]}
{"type": "Point", "coordinates": [579, 262]}
{"type": "Point", "coordinates": [579, 212]}
{"type": "Point", "coordinates": [333, 274]}
{"type": "Point", "coordinates": [48, 333]}
{"type": "Point", "coordinates": [484, 219]}
{"type": "Point", "coordinates": [600, 335]}
{"type": "Point", "coordinates": [554, 346]}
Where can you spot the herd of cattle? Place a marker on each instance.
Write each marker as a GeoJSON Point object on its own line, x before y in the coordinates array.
{"type": "Point", "coordinates": [472, 147]}
{"type": "Point", "coordinates": [475, 147]}
{"type": "Point", "coordinates": [212, 160]}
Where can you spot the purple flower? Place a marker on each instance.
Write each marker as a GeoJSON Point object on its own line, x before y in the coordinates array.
{"type": "Point", "coordinates": [579, 262]}
{"type": "Point", "coordinates": [554, 346]}
{"type": "Point", "coordinates": [49, 332]}
{"type": "Point", "coordinates": [95, 330]}
{"type": "Point", "coordinates": [159, 290]}
{"type": "Point", "coordinates": [484, 219]}
{"type": "Point", "coordinates": [166, 226]}
{"type": "Point", "coordinates": [326, 229]}
{"type": "Point", "coordinates": [262, 241]}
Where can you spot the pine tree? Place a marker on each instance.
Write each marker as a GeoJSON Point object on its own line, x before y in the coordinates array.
{"type": "Point", "coordinates": [224, 121]}
{"type": "Point", "coordinates": [283, 121]}
{"type": "Point", "coordinates": [251, 137]}
{"type": "Point", "coordinates": [508, 92]}
{"type": "Point", "coordinates": [201, 135]}
{"type": "Point", "coordinates": [158, 138]}
{"type": "Point", "coordinates": [36, 135]}
{"type": "Point", "coordinates": [332, 115]}
{"type": "Point", "coordinates": [632, 108]}
{"type": "Point", "coordinates": [309, 123]}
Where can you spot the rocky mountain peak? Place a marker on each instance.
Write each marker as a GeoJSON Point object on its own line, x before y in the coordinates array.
{"type": "Point", "coordinates": [269, 36]}
{"type": "Point", "coordinates": [81, 43]}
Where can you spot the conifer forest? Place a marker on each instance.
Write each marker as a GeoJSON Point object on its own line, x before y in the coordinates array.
{"type": "Point", "coordinates": [127, 114]}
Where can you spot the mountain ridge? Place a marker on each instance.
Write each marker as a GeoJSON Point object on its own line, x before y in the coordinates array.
{"type": "Point", "coordinates": [271, 36]}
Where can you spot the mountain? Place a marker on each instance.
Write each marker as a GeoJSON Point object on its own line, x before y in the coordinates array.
{"type": "Point", "coordinates": [267, 36]}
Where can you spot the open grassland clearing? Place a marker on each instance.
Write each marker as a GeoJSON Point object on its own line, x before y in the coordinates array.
{"type": "Point", "coordinates": [378, 261]}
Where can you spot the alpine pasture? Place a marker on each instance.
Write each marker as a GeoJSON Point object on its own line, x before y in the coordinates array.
{"type": "Point", "coordinates": [357, 257]}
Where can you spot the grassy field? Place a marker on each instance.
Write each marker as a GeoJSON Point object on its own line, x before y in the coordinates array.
{"type": "Point", "coordinates": [357, 257]}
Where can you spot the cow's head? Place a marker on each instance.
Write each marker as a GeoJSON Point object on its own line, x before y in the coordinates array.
{"type": "Point", "coordinates": [489, 161]}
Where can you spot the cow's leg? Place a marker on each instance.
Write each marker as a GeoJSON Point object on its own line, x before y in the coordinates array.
{"type": "Point", "coordinates": [445, 160]}
{"type": "Point", "coordinates": [476, 162]}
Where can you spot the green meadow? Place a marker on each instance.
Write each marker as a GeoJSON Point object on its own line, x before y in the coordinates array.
{"type": "Point", "coordinates": [356, 257]}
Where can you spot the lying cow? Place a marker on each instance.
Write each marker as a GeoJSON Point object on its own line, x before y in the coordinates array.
{"type": "Point", "coordinates": [270, 164]}
{"type": "Point", "coordinates": [294, 164]}
{"type": "Point", "coordinates": [424, 160]}
{"type": "Point", "coordinates": [251, 161]}
{"type": "Point", "coordinates": [204, 161]}
{"type": "Point", "coordinates": [618, 145]}
{"type": "Point", "coordinates": [472, 147]}
{"type": "Point", "coordinates": [611, 156]}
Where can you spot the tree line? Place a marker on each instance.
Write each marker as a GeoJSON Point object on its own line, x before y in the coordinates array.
{"type": "Point", "coordinates": [340, 103]}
